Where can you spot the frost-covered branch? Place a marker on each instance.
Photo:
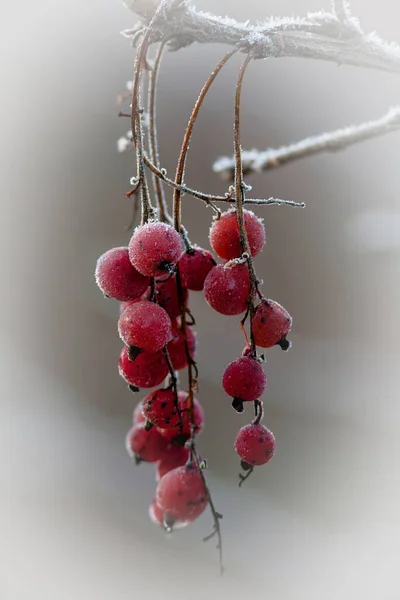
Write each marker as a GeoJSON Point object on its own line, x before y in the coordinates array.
{"type": "Point", "coordinates": [255, 161]}
{"type": "Point", "coordinates": [332, 36]}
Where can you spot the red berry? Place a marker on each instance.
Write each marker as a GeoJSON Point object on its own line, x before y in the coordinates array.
{"type": "Point", "coordinates": [227, 288]}
{"type": "Point", "coordinates": [177, 348]}
{"type": "Point", "coordinates": [156, 515]}
{"type": "Point", "coordinates": [255, 444]}
{"type": "Point", "coordinates": [175, 456]}
{"type": "Point", "coordinates": [182, 433]}
{"type": "Point", "coordinates": [155, 248]}
{"type": "Point", "coordinates": [145, 325]}
{"type": "Point", "coordinates": [146, 371]}
{"type": "Point", "coordinates": [145, 444]}
{"type": "Point", "coordinates": [271, 323]}
{"type": "Point", "coordinates": [225, 237]}
{"type": "Point", "coordinates": [138, 415]}
{"type": "Point", "coordinates": [167, 296]}
{"type": "Point", "coordinates": [117, 277]}
{"type": "Point", "coordinates": [181, 493]}
{"type": "Point", "coordinates": [194, 266]}
{"type": "Point", "coordinates": [244, 379]}
{"type": "Point", "coordinates": [159, 408]}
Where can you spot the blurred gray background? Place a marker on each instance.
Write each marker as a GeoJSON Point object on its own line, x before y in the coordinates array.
{"type": "Point", "coordinates": [321, 520]}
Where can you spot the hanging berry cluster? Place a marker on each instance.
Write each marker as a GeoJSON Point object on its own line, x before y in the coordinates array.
{"type": "Point", "coordinates": [151, 278]}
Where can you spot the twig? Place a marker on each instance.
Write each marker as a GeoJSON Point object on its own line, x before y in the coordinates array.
{"type": "Point", "coordinates": [255, 161]}
{"type": "Point", "coordinates": [180, 170]}
{"type": "Point", "coordinates": [140, 63]}
{"type": "Point", "coordinates": [240, 199]}
{"type": "Point", "coordinates": [321, 35]}
{"type": "Point", "coordinates": [216, 515]}
{"type": "Point", "coordinates": [154, 157]}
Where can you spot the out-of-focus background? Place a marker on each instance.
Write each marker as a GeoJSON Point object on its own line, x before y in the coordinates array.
{"type": "Point", "coordinates": [321, 520]}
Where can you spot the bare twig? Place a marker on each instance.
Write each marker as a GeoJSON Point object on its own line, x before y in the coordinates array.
{"type": "Point", "coordinates": [321, 35]}
{"type": "Point", "coordinates": [163, 214]}
{"type": "Point", "coordinates": [216, 515]}
{"type": "Point", "coordinates": [255, 161]}
{"type": "Point", "coordinates": [240, 189]}
{"type": "Point", "coordinates": [210, 199]}
{"type": "Point", "coordinates": [180, 170]}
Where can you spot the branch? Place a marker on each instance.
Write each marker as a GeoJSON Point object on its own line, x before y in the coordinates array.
{"type": "Point", "coordinates": [331, 36]}
{"type": "Point", "coordinates": [255, 161]}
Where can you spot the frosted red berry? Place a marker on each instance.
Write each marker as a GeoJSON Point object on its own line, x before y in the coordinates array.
{"type": "Point", "coordinates": [227, 288]}
{"type": "Point", "coordinates": [181, 493]}
{"type": "Point", "coordinates": [194, 266]}
{"type": "Point", "coordinates": [159, 408]}
{"type": "Point", "coordinates": [182, 433]}
{"type": "Point", "coordinates": [167, 296]}
{"type": "Point", "coordinates": [157, 517]}
{"type": "Point", "coordinates": [145, 444]}
{"type": "Point", "coordinates": [225, 236]}
{"type": "Point", "coordinates": [175, 456]}
{"type": "Point", "coordinates": [155, 248]}
{"type": "Point", "coordinates": [255, 444]}
{"type": "Point", "coordinates": [137, 416]}
{"type": "Point", "coordinates": [147, 370]}
{"type": "Point", "coordinates": [145, 325]}
{"type": "Point", "coordinates": [177, 347]}
{"type": "Point", "coordinates": [271, 324]}
{"type": "Point", "coordinates": [117, 277]}
{"type": "Point", "coordinates": [244, 379]}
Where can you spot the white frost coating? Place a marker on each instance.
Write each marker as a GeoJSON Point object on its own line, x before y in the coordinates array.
{"type": "Point", "coordinates": [123, 144]}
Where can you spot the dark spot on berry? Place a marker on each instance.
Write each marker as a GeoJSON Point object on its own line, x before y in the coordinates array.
{"type": "Point", "coordinates": [263, 319]}
{"type": "Point", "coordinates": [260, 440]}
{"type": "Point", "coordinates": [163, 404]}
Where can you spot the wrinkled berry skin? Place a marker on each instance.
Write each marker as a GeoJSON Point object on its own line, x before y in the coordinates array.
{"type": "Point", "coordinates": [194, 266]}
{"type": "Point", "coordinates": [145, 325]}
{"type": "Point", "coordinates": [181, 493]}
{"type": "Point", "coordinates": [155, 249]}
{"type": "Point", "coordinates": [244, 379]}
{"type": "Point", "coordinates": [145, 444]}
{"type": "Point", "coordinates": [271, 323]}
{"type": "Point", "coordinates": [255, 444]}
{"type": "Point", "coordinates": [147, 370]}
{"type": "Point", "coordinates": [117, 277]}
{"type": "Point", "coordinates": [225, 236]}
{"type": "Point", "coordinates": [227, 288]}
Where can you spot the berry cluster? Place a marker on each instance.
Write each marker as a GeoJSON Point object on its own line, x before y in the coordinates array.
{"type": "Point", "coordinates": [151, 279]}
{"type": "Point", "coordinates": [228, 289]}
